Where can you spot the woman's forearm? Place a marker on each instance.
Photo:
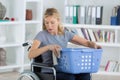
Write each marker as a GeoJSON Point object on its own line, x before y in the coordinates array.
{"type": "Point", "coordinates": [84, 42]}
{"type": "Point", "coordinates": [36, 52]}
{"type": "Point", "coordinates": [91, 44]}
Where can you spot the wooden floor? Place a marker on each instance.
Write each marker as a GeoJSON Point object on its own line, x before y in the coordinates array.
{"type": "Point", "coordinates": [15, 75]}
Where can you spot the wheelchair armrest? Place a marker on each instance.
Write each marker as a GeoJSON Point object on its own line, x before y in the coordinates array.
{"type": "Point", "coordinates": [42, 65]}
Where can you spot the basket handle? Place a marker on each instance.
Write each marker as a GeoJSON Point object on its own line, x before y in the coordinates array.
{"type": "Point", "coordinates": [86, 50]}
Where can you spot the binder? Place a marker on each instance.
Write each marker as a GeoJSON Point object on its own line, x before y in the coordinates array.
{"type": "Point", "coordinates": [118, 16]}
{"type": "Point", "coordinates": [93, 17]}
{"type": "Point", "coordinates": [75, 14]}
{"type": "Point", "coordinates": [71, 14]}
{"type": "Point", "coordinates": [81, 14]}
{"type": "Point", "coordinates": [113, 20]}
{"type": "Point", "coordinates": [99, 13]}
{"type": "Point", "coordinates": [88, 14]}
{"type": "Point", "coordinates": [67, 11]}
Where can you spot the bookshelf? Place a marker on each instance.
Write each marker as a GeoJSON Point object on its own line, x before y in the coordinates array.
{"type": "Point", "coordinates": [111, 51]}
{"type": "Point", "coordinates": [18, 31]}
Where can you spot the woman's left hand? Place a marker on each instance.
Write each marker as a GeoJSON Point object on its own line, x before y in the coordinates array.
{"type": "Point", "coordinates": [55, 49]}
{"type": "Point", "coordinates": [94, 45]}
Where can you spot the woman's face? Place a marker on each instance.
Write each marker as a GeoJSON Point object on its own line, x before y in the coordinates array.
{"type": "Point", "coordinates": [51, 24]}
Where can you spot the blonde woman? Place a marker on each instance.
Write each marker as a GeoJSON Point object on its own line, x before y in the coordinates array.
{"type": "Point", "coordinates": [53, 38]}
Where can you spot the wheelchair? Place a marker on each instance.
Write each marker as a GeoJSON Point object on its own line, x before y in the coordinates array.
{"type": "Point", "coordinates": [35, 72]}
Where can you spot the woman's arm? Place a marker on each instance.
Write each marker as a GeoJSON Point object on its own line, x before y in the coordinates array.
{"type": "Point", "coordinates": [81, 41]}
{"type": "Point", "coordinates": [35, 51]}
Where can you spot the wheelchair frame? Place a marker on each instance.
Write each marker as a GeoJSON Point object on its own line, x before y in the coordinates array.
{"type": "Point", "coordinates": [31, 74]}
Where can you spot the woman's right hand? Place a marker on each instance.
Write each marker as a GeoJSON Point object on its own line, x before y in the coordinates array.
{"type": "Point", "coordinates": [55, 49]}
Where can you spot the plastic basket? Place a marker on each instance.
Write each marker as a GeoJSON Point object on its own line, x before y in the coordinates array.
{"type": "Point", "coordinates": [79, 60]}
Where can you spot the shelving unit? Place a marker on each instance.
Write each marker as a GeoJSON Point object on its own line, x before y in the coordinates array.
{"type": "Point", "coordinates": [19, 31]}
{"type": "Point", "coordinates": [111, 51]}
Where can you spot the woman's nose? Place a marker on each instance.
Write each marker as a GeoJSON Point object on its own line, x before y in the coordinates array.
{"type": "Point", "coordinates": [49, 25]}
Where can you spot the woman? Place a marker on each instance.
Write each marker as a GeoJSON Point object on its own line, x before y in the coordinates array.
{"type": "Point", "coordinates": [53, 38]}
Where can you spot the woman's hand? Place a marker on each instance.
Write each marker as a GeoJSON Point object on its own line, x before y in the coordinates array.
{"type": "Point", "coordinates": [93, 45]}
{"type": "Point", "coordinates": [55, 49]}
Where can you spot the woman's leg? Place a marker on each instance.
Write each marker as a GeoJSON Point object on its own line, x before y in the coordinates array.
{"type": "Point", "coordinates": [83, 76]}
{"type": "Point", "coordinates": [64, 76]}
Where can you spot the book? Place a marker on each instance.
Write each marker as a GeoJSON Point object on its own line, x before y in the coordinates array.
{"type": "Point", "coordinates": [106, 67]}
{"type": "Point", "coordinates": [111, 66]}
{"type": "Point", "coordinates": [116, 68]}
{"type": "Point", "coordinates": [96, 36]}
{"type": "Point", "coordinates": [91, 35]}
{"type": "Point", "coordinates": [112, 37]}
{"type": "Point", "coordinates": [80, 33]}
{"type": "Point", "coordinates": [84, 32]}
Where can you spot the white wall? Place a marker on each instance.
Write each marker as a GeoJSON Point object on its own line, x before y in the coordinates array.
{"type": "Point", "coordinates": [58, 4]}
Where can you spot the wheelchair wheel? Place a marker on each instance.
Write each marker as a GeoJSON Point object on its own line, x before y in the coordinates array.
{"type": "Point", "coordinates": [28, 76]}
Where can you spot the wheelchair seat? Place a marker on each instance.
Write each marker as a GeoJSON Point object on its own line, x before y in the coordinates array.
{"type": "Point", "coordinates": [36, 67]}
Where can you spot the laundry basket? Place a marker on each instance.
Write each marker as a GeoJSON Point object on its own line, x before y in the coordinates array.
{"type": "Point", "coordinates": [79, 60]}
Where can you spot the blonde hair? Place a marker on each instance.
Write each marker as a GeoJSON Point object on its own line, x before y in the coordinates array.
{"type": "Point", "coordinates": [55, 13]}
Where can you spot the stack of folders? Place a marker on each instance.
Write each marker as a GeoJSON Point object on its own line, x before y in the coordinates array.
{"type": "Point", "coordinates": [115, 18]}
{"type": "Point", "coordinates": [78, 14]}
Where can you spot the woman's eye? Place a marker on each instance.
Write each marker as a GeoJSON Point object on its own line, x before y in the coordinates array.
{"type": "Point", "coordinates": [49, 23]}
{"type": "Point", "coordinates": [46, 22]}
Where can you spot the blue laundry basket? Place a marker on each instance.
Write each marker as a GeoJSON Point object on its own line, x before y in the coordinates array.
{"type": "Point", "coordinates": [79, 60]}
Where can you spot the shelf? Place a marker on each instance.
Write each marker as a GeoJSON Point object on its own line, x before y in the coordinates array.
{"type": "Point", "coordinates": [32, 22]}
{"type": "Point", "coordinates": [10, 23]}
{"type": "Point", "coordinates": [92, 26]}
{"type": "Point", "coordinates": [107, 73]}
{"type": "Point", "coordinates": [10, 44]}
{"type": "Point", "coordinates": [10, 67]}
{"type": "Point", "coordinates": [102, 72]}
{"type": "Point", "coordinates": [109, 44]}
{"type": "Point", "coordinates": [100, 43]}
{"type": "Point", "coordinates": [32, 0]}
{"type": "Point", "coordinates": [27, 65]}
